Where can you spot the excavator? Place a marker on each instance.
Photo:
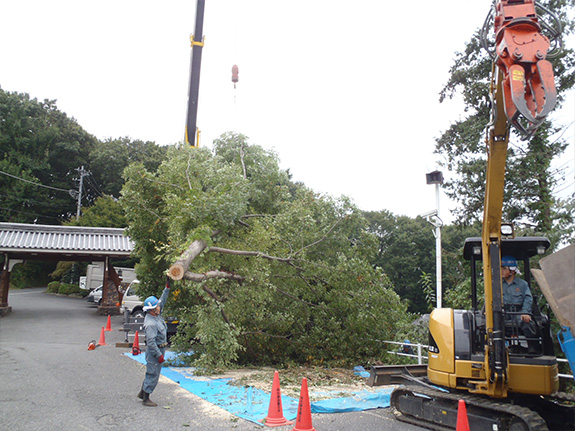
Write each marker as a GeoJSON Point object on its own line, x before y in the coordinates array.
{"type": "Point", "coordinates": [479, 355]}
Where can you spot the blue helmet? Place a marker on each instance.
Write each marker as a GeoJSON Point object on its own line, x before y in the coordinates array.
{"type": "Point", "coordinates": [511, 263]}
{"type": "Point", "coordinates": [150, 303]}
{"type": "Point", "coordinates": [508, 261]}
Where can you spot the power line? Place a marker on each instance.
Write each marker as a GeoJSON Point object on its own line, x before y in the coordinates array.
{"type": "Point", "coordinates": [28, 213]}
{"type": "Point", "coordinates": [32, 182]}
{"type": "Point", "coordinates": [90, 179]}
{"type": "Point", "coordinates": [565, 188]}
{"type": "Point", "coordinates": [33, 201]}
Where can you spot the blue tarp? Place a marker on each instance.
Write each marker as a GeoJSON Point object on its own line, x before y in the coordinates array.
{"type": "Point", "coordinates": [252, 404]}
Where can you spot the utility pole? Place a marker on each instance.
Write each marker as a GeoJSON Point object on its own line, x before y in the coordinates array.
{"type": "Point", "coordinates": [82, 173]}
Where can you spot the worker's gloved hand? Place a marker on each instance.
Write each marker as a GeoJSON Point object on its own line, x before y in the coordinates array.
{"type": "Point", "coordinates": [161, 359]}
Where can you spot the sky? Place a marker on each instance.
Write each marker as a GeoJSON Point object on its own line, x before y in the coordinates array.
{"type": "Point", "coordinates": [346, 93]}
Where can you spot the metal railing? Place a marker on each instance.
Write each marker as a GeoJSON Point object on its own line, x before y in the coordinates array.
{"type": "Point", "coordinates": [421, 357]}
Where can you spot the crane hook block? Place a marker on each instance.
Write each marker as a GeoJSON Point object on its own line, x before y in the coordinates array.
{"type": "Point", "coordinates": [235, 72]}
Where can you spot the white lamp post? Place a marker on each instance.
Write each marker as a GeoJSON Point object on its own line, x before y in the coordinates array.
{"type": "Point", "coordinates": [436, 177]}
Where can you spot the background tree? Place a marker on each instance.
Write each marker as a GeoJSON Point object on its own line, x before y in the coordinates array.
{"type": "Point", "coordinates": [457, 270]}
{"type": "Point", "coordinates": [41, 153]}
{"type": "Point", "coordinates": [106, 212]}
{"type": "Point", "coordinates": [109, 159]}
{"type": "Point", "coordinates": [406, 250]}
{"type": "Point", "coordinates": [284, 274]}
{"type": "Point", "coordinates": [529, 198]}
{"type": "Point", "coordinates": [406, 254]}
{"type": "Point", "coordinates": [40, 150]}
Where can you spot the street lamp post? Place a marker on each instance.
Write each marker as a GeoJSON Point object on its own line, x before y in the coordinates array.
{"type": "Point", "coordinates": [436, 177]}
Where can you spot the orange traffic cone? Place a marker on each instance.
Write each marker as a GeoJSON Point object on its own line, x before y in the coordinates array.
{"type": "Point", "coordinates": [108, 324]}
{"type": "Point", "coordinates": [462, 420]}
{"type": "Point", "coordinates": [92, 345]}
{"type": "Point", "coordinates": [136, 345]}
{"type": "Point", "coordinates": [303, 421]}
{"type": "Point", "coordinates": [275, 417]}
{"type": "Point", "coordinates": [102, 341]}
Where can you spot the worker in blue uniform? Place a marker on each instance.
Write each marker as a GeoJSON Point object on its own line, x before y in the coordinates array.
{"type": "Point", "coordinates": [156, 331]}
{"type": "Point", "coordinates": [517, 298]}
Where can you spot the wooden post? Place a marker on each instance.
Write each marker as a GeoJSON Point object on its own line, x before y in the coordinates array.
{"type": "Point", "coordinates": [111, 296]}
{"type": "Point", "coordinates": [4, 286]}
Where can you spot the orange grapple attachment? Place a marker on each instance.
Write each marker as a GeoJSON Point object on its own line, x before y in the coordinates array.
{"type": "Point", "coordinates": [521, 48]}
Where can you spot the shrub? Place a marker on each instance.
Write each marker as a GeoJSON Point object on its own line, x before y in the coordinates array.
{"type": "Point", "coordinates": [31, 274]}
{"type": "Point", "coordinates": [53, 287]}
{"type": "Point", "coordinates": [71, 289]}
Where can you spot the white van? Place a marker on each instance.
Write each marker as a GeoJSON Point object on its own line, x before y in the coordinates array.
{"type": "Point", "coordinates": [132, 301]}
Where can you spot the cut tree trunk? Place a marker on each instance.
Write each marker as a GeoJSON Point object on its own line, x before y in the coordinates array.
{"type": "Point", "coordinates": [178, 269]}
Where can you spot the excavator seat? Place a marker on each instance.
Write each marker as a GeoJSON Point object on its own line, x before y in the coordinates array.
{"type": "Point", "coordinates": [522, 340]}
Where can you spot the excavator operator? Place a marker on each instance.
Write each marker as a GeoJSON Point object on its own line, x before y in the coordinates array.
{"type": "Point", "coordinates": [518, 300]}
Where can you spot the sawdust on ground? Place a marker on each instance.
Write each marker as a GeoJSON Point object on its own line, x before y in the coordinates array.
{"type": "Point", "coordinates": [322, 382]}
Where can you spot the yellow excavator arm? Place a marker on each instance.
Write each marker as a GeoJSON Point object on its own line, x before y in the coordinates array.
{"type": "Point", "coordinates": [497, 142]}
{"type": "Point", "coordinates": [522, 93]}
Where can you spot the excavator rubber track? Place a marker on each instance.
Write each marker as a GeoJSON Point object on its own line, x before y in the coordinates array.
{"type": "Point", "coordinates": [437, 410]}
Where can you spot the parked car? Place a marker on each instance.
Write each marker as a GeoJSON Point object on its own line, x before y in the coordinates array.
{"type": "Point", "coordinates": [135, 306]}
{"type": "Point", "coordinates": [95, 295]}
{"type": "Point", "coordinates": [132, 301]}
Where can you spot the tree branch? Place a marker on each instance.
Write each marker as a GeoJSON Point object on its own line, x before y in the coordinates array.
{"type": "Point", "coordinates": [249, 253]}
{"type": "Point", "coordinates": [243, 161]}
{"type": "Point", "coordinates": [197, 277]}
{"type": "Point", "coordinates": [188, 171]}
{"type": "Point", "coordinates": [179, 269]}
{"type": "Point", "coordinates": [217, 299]}
{"type": "Point", "coordinates": [295, 298]}
{"type": "Point", "coordinates": [267, 334]}
{"type": "Point", "coordinates": [323, 238]}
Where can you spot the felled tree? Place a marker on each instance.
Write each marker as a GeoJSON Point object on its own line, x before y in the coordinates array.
{"type": "Point", "coordinates": [270, 271]}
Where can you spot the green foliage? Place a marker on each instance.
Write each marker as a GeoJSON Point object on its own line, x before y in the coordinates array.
{"type": "Point", "coordinates": [406, 253]}
{"type": "Point", "coordinates": [406, 250]}
{"type": "Point", "coordinates": [67, 271]}
{"type": "Point", "coordinates": [71, 289]}
{"type": "Point", "coordinates": [41, 145]}
{"type": "Point", "coordinates": [109, 159]}
{"type": "Point", "coordinates": [53, 287]}
{"type": "Point", "coordinates": [106, 212]}
{"type": "Point", "coordinates": [31, 274]}
{"type": "Point", "coordinates": [63, 268]}
{"type": "Point", "coordinates": [66, 289]}
{"type": "Point", "coordinates": [417, 332]}
{"type": "Point", "coordinates": [41, 151]}
{"type": "Point", "coordinates": [220, 345]}
{"type": "Point", "coordinates": [460, 296]}
{"type": "Point", "coordinates": [429, 289]}
{"type": "Point", "coordinates": [314, 297]}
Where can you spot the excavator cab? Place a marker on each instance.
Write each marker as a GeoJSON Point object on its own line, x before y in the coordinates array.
{"type": "Point", "coordinates": [518, 343]}
{"type": "Point", "coordinates": [458, 338]}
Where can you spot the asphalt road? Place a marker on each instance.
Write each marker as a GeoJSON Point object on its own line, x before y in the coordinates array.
{"type": "Point", "coordinates": [49, 380]}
